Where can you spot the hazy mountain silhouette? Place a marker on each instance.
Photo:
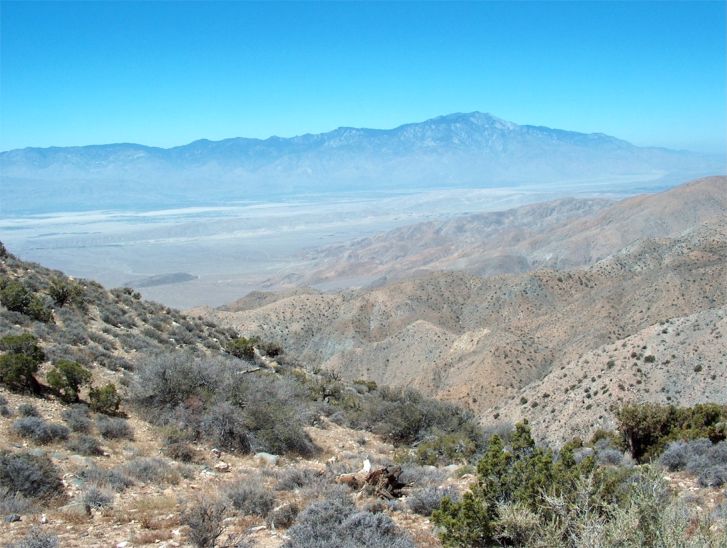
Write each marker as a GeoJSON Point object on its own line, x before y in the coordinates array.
{"type": "Point", "coordinates": [458, 150]}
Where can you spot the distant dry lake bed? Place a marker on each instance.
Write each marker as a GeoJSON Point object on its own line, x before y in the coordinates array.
{"type": "Point", "coordinates": [211, 255]}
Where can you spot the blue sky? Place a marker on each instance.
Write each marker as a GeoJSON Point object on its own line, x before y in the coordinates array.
{"type": "Point", "coordinates": [168, 73]}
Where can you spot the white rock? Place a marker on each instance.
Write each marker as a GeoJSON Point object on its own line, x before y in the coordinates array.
{"type": "Point", "coordinates": [267, 458]}
{"type": "Point", "coordinates": [222, 467]}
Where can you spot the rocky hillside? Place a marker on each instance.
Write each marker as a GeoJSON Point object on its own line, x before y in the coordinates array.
{"type": "Point", "coordinates": [482, 341]}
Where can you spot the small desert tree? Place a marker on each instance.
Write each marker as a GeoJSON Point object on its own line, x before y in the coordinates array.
{"type": "Point", "coordinates": [20, 362]}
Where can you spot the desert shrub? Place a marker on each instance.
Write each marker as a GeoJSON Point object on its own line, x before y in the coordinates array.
{"type": "Point", "coordinates": [168, 380]}
{"type": "Point", "coordinates": [647, 428]}
{"type": "Point", "coordinates": [77, 418]}
{"type": "Point", "coordinates": [179, 451]}
{"type": "Point", "coordinates": [64, 291]}
{"type": "Point", "coordinates": [372, 530]}
{"type": "Point", "coordinates": [18, 298]}
{"type": "Point", "coordinates": [335, 522]}
{"type": "Point", "coordinates": [39, 431]}
{"type": "Point", "coordinates": [20, 363]}
{"type": "Point", "coordinates": [32, 476]}
{"type": "Point", "coordinates": [28, 410]}
{"type": "Point", "coordinates": [318, 524]}
{"type": "Point", "coordinates": [205, 522]}
{"type": "Point", "coordinates": [5, 411]}
{"type": "Point", "coordinates": [224, 426]}
{"type": "Point", "coordinates": [85, 445]}
{"type": "Point", "coordinates": [94, 497]}
{"type": "Point", "coordinates": [295, 478]}
{"type": "Point", "coordinates": [521, 474]}
{"type": "Point", "coordinates": [250, 498]}
{"type": "Point", "coordinates": [700, 457]}
{"type": "Point", "coordinates": [37, 538]}
{"type": "Point", "coordinates": [151, 470]}
{"type": "Point", "coordinates": [113, 428]}
{"type": "Point", "coordinates": [421, 476]}
{"type": "Point", "coordinates": [425, 501]}
{"type": "Point", "coordinates": [609, 455]}
{"type": "Point", "coordinates": [276, 428]}
{"type": "Point", "coordinates": [283, 516]}
{"type": "Point", "coordinates": [242, 347]}
{"type": "Point", "coordinates": [105, 399]}
{"type": "Point", "coordinates": [405, 417]}
{"type": "Point", "coordinates": [14, 503]}
{"type": "Point", "coordinates": [101, 477]}
{"type": "Point", "coordinates": [443, 448]}
{"type": "Point", "coordinates": [67, 377]}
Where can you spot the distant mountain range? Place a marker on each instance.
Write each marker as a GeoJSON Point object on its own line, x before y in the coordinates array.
{"type": "Point", "coordinates": [458, 150]}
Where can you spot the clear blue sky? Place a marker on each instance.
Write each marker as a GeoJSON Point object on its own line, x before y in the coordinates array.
{"type": "Point", "coordinates": [168, 73]}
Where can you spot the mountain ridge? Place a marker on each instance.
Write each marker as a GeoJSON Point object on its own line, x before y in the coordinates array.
{"type": "Point", "coordinates": [459, 150]}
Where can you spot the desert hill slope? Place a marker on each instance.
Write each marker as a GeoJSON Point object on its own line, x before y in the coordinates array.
{"type": "Point", "coordinates": [481, 341]}
{"type": "Point", "coordinates": [560, 234]}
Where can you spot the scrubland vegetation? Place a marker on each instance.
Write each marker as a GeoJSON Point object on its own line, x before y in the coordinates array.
{"type": "Point", "coordinates": [197, 386]}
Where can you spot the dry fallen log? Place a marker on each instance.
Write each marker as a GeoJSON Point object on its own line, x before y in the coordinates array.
{"type": "Point", "coordinates": [383, 482]}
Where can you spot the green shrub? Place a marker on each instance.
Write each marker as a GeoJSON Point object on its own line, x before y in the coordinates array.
{"type": "Point", "coordinates": [67, 377]}
{"type": "Point", "coordinates": [20, 363]}
{"type": "Point", "coordinates": [64, 291]}
{"type": "Point", "coordinates": [16, 297]}
{"type": "Point", "coordinates": [242, 347]}
{"type": "Point", "coordinates": [647, 428]}
{"type": "Point", "coordinates": [445, 449]}
{"type": "Point", "coordinates": [523, 474]}
{"type": "Point", "coordinates": [105, 399]}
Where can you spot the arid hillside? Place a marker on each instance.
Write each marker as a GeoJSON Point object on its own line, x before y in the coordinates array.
{"type": "Point", "coordinates": [482, 341]}
{"type": "Point", "coordinates": [561, 234]}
